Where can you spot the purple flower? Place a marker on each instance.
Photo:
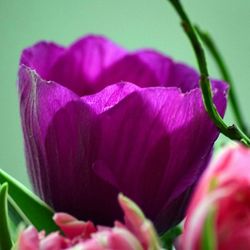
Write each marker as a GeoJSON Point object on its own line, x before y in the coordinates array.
{"type": "Point", "coordinates": [98, 120]}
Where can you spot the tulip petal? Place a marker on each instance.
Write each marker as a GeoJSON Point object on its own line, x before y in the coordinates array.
{"type": "Point", "coordinates": [39, 101]}
{"type": "Point", "coordinates": [56, 125]}
{"type": "Point", "coordinates": [29, 239]}
{"type": "Point", "coordinates": [59, 133]}
{"type": "Point", "coordinates": [123, 239]}
{"type": "Point", "coordinates": [109, 97]}
{"type": "Point", "coordinates": [54, 241]}
{"type": "Point", "coordinates": [183, 77]}
{"type": "Point", "coordinates": [41, 57]}
{"type": "Point", "coordinates": [72, 227]}
{"type": "Point", "coordinates": [145, 68]}
{"type": "Point", "coordinates": [138, 224]}
{"type": "Point", "coordinates": [148, 68]}
{"type": "Point", "coordinates": [75, 154]}
{"type": "Point", "coordinates": [140, 137]}
{"type": "Point", "coordinates": [79, 67]}
{"type": "Point", "coordinates": [93, 62]}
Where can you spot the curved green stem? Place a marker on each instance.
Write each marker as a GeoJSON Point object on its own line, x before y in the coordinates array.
{"type": "Point", "coordinates": [233, 132]}
{"type": "Point", "coordinates": [5, 238]}
{"type": "Point", "coordinates": [209, 42]}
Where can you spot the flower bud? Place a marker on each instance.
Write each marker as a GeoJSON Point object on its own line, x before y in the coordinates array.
{"type": "Point", "coordinates": [219, 214]}
{"type": "Point", "coordinates": [137, 233]}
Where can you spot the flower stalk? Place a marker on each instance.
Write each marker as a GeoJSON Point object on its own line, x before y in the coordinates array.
{"type": "Point", "coordinates": [233, 132]}
{"type": "Point", "coordinates": [5, 238]}
{"type": "Point", "coordinates": [213, 49]}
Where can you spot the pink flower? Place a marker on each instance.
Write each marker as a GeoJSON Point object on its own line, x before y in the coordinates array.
{"type": "Point", "coordinates": [219, 214]}
{"type": "Point", "coordinates": [137, 233]}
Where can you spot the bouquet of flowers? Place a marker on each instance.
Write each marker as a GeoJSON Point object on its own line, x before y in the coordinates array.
{"type": "Point", "coordinates": [118, 147]}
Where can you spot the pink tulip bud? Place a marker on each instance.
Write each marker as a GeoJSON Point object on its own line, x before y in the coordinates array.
{"type": "Point", "coordinates": [72, 227]}
{"type": "Point", "coordinates": [29, 239]}
{"type": "Point", "coordinates": [54, 241]}
{"type": "Point", "coordinates": [137, 233]}
{"type": "Point", "coordinates": [219, 214]}
{"type": "Point", "coordinates": [116, 238]}
{"type": "Point", "coordinates": [138, 224]}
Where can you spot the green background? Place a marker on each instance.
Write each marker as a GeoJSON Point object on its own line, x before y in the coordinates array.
{"type": "Point", "coordinates": [133, 24]}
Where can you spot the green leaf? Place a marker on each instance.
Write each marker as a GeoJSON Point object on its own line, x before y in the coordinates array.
{"type": "Point", "coordinates": [16, 218]}
{"type": "Point", "coordinates": [28, 205]}
{"type": "Point", "coordinates": [5, 238]}
{"type": "Point", "coordinates": [16, 214]}
{"type": "Point", "coordinates": [208, 234]}
{"type": "Point", "coordinates": [168, 237]}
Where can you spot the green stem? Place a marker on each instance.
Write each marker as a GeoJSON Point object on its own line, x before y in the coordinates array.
{"type": "Point", "coordinates": [209, 42]}
{"type": "Point", "coordinates": [5, 238]}
{"type": "Point", "coordinates": [232, 132]}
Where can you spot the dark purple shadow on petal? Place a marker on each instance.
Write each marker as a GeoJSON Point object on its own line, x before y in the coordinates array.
{"type": "Point", "coordinates": [174, 209]}
{"type": "Point", "coordinates": [174, 212]}
{"type": "Point", "coordinates": [72, 186]}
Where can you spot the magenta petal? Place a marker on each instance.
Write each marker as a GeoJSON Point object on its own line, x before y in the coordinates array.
{"type": "Point", "coordinates": [149, 68]}
{"type": "Point", "coordinates": [60, 141]}
{"type": "Point", "coordinates": [39, 101]}
{"type": "Point", "coordinates": [183, 77]}
{"type": "Point", "coordinates": [57, 127]}
{"type": "Point", "coordinates": [73, 138]}
{"type": "Point", "coordinates": [41, 57]}
{"type": "Point", "coordinates": [79, 67]}
{"type": "Point", "coordinates": [156, 144]}
{"type": "Point", "coordinates": [145, 68]}
{"type": "Point", "coordinates": [110, 96]}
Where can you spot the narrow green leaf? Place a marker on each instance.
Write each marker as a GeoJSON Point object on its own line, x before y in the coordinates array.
{"type": "Point", "coordinates": [16, 215]}
{"type": "Point", "coordinates": [16, 218]}
{"type": "Point", "coordinates": [168, 237]}
{"type": "Point", "coordinates": [34, 209]}
{"type": "Point", "coordinates": [208, 234]}
{"type": "Point", "coordinates": [5, 238]}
